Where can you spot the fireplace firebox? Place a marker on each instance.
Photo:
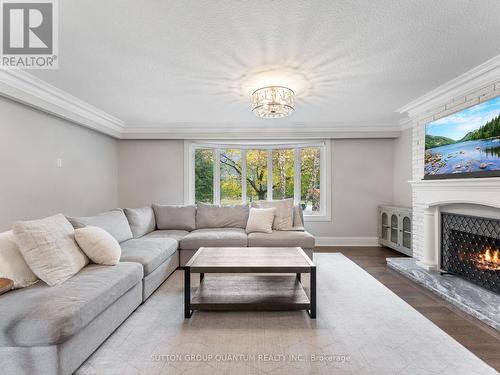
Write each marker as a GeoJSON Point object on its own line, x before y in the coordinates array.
{"type": "Point", "coordinates": [470, 248]}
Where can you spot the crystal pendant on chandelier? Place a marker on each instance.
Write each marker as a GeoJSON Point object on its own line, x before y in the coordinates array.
{"type": "Point", "coordinates": [273, 102]}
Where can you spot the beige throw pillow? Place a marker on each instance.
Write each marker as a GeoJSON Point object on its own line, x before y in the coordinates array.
{"type": "Point", "coordinates": [12, 264]}
{"type": "Point", "coordinates": [283, 219]}
{"type": "Point", "coordinates": [260, 220]}
{"type": "Point", "coordinates": [49, 248]}
{"type": "Point", "coordinates": [100, 246]}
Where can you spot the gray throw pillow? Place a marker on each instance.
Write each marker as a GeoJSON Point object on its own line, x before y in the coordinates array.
{"type": "Point", "coordinates": [298, 218]}
{"type": "Point", "coordinates": [175, 217]}
{"type": "Point", "coordinates": [214, 216]}
{"type": "Point", "coordinates": [142, 220]}
{"type": "Point", "coordinates": [114, 222]}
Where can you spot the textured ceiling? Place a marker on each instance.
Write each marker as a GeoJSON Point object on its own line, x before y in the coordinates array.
{"type": "Point", "coordinates": [351, 62]}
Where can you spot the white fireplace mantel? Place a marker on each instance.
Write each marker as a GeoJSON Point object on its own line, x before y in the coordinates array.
{"type": "Point", "coordinates": [431, 195]}
{"type": "Point", "coordinates": [482, 191]}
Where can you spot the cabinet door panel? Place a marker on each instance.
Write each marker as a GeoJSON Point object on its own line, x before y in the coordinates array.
{"type": "Point", "coordinates": [394, 228]}
{"type": "Point", "coordinates": [406, 230]}
{"type": "Point", "coordinates": [385, 228]}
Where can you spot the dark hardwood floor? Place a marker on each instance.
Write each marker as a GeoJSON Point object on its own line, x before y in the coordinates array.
{"type": "Point", "coordinates": [476, 336]}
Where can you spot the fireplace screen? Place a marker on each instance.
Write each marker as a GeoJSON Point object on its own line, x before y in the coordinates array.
{"type": "Point", "coordinates": [470, 248]}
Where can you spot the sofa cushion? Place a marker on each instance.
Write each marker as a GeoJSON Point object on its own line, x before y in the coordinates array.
{"type": "Point", "coordinates": [150, 252]}
{"type": "Point", "coordinates": [114, 222]}
{"type": "Point", "coordinates": [214, 237]}
{"type": "Point", "coordinates": [214, 216]}
{"type": "Point", "coordinates": [141, 220]}
{"type": "Point", "coordinates": [49, 248]}
{"type": "Point", "coordinates": [280, 238]}
{"type": "Point", "coordinates": [176, 234]}
{"type": "Point", "coordinates": [175, 217]}
{"type": "Point", "coordinates": [41, 315]}
{"type": "Point", "coordinates": [12, 264]}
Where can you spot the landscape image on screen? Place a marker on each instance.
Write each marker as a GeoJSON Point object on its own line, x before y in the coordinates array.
{"type": "Point", "coordinates": [464, 142]}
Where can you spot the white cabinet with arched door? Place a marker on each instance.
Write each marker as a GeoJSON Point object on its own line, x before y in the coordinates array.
{"type": "Point", "coordinates": [395, 228]}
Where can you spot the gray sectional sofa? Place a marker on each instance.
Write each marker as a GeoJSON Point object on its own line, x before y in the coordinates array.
{"type": "Point", "coordinates": [52, 330]}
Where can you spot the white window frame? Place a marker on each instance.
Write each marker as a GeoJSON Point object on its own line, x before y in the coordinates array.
{"type": "Point", "coordinates": [325, 170]}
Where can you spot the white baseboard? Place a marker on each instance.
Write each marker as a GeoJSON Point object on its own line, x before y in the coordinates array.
{"type": "Point", "coordinates": [347, 241]}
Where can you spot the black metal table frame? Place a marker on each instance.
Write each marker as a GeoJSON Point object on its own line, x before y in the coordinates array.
{"type": "Point", "coordinates": [188, 312]}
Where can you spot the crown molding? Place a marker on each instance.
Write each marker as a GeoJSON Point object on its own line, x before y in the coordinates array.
{"type": "Point", "coordinates": [480, 76]}
{"type": "Point", "coordinates": [253, 131]}
{"type": "Point", "coordinates": [23, 87]}
{"type": "Point", "coordinates": [406, 123]}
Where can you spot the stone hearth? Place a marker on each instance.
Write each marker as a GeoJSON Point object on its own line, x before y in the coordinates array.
{"type": "Point", "coordinates": [477, 301]}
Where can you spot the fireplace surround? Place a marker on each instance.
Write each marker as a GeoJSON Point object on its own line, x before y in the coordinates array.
{"type": "Point", "coordinates": [431, 200]}
{"type": "Point", "coordinates": [470, 248]}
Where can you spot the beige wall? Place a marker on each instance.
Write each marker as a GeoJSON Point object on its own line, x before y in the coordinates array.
{"type": "Point", "coordinates": [403, 169]}
{"type": "Point", "coordinates": [99, 173]}
{"type": "Point", "coordinates": [361, 180]}
{"type": "Point", "coordinates": [151, 172]}
{"type": "Point", "coordinates": [31, 184]}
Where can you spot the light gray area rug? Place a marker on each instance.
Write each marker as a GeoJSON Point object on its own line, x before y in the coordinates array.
{"type": "Point", "coordinates": [361, 328]}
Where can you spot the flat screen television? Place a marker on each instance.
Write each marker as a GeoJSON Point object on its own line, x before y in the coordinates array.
{"type": "Point", "coordinates": [464, 144]}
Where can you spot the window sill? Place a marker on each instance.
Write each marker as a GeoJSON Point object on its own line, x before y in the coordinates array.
{"type": "Point", "coordinates": [316, 218]}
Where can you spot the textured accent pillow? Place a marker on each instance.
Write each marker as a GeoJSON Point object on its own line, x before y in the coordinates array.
{"type": "Point", "coordinates": [175, 217]}
{"type": "Point", "coordinates": [12, 264]}
{"type": "Point", "coordinates": [260, 220]}
{"type": "Point", "coordinates": [141, 220]}
{"type": "Point", "coordinates": [114, 222]}
{"type": "Point", "coordinates": [100, 246]}
{"type": "Point", "coordinates": [214, 216]}
{"type": "Point", "coordinates": [283, 219]}
{"type": "Point", "coordinates": [49, 248]}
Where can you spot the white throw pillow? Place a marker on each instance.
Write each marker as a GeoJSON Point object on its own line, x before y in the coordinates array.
{"type": "Point", "coordinates": [100, 246]}
{"type": "Point", "coordinates": [283, 219]}
{"type": "Point", "coordinates": [12, 264]}
{"type": "Point", "coordinates": [49, 248]}
{"type": "Point", "coordinates": [260, 220]}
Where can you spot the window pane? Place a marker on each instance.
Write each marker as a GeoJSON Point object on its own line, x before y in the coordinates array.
{"type": "Point", "coordinates": [283, 174]}
{"type": "Point", "coordinates": [256, 175]}
{"type": "Point", "coordinates": [310, 179]}
{"type": "Point", "coordinates": [204, 175]}
{"type": "Point", "coordinates": [230, 176]}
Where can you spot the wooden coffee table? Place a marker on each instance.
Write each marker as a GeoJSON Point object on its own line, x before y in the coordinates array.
{"type": "Point", "coordinates": [241, 291]}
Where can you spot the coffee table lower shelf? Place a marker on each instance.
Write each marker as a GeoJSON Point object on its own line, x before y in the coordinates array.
{"type": "Point", "coordinates": [252, 292]}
